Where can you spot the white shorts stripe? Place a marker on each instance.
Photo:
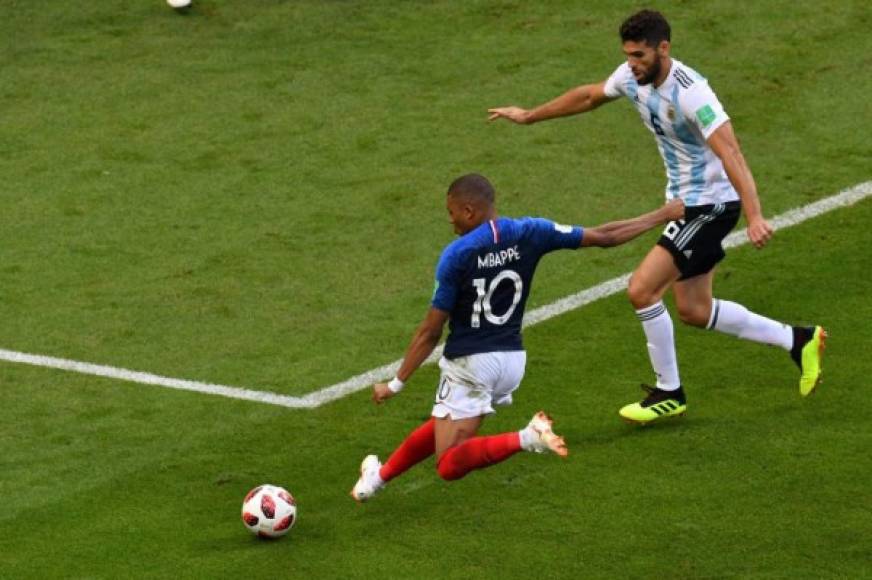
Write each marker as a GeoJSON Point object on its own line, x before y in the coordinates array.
{"type": "Point", "coordinates": [694, 226]}
{"type": "Point", "coordinates": [690, 230]}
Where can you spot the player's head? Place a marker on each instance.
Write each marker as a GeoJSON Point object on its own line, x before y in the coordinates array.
{"type": "Point", "coordinates": [470, 202]}
{"type": "Point", "coordinates": [646, 37]}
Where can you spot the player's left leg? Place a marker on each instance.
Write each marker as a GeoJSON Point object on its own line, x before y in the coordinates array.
{"type": "Point", "coordinates": [697, 307]}
{"type": "Point", "coordinates": [418, 446]}
{"type": "Point", "coordinates": [657, 272]}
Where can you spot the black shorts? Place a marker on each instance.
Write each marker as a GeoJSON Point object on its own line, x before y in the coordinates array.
{"type": "Point", "coordinates": [695, 241]}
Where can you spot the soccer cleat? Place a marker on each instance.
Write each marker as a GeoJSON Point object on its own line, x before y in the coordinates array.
{"type": "Point", "coordinates": [807, 353]}
{"type": "Point", "coordinates": [370, 481]}
{"type": "Point", "coordinates": [659, 404]}
{"type": "Point", "coordinates": [543, 438]}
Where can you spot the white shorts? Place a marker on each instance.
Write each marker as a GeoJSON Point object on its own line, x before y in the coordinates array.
{"type": "Point", "coordinates": [470, 386]}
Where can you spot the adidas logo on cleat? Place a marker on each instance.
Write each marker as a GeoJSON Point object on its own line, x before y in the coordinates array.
{"type": "Point", "coordinates": [664, 407]}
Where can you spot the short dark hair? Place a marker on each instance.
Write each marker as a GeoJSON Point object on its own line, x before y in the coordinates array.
{"type": "Point", "coordinates": [647, 25]}
{"type": "Point", "coordinates": [473, 186]}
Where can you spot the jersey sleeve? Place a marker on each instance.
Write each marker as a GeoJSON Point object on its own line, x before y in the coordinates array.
{"type": "Point", "coordinates": [616, 84]}
{"type": "Point", "coordinates": [550, 236]}
{"type": "Point", "coordinates": [447, 282]}
{"type": "Point", "coordinates": [702, 108]}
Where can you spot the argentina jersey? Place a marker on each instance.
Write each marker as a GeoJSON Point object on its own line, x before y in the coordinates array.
{"type": "Point", "coordinates": [682, 113]}
{"type": "Point", "coordinates": [483, 280]}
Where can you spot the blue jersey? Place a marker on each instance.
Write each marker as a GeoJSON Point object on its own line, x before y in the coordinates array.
{"type": "Point", "coordinates": [484, 277]}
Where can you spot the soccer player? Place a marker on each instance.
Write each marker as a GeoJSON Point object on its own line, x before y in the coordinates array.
{"type": "Point", "coordinates": [482, 283]}
{"type": "Point", "coordinates": [706, 169]}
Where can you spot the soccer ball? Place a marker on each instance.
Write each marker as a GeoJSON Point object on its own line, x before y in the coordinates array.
{"type": "Point", "coordinates": [269, 511]}
{"type": "Point", "coordinates": [179, 3]}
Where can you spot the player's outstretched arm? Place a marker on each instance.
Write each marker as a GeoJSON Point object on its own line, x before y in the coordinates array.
{"type": "Point", "coordinates": [572, 102]}
{"type": "Point", "coordinates": [617, 233]}
{"type": "Point", "coordinates": [725, 145]}
{"type": "Point", "coordinates": [423, 342]}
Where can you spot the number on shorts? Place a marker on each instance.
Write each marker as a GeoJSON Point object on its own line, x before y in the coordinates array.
{"type": "Point", "coordinates": [444, 390]}
{"type": "Point", "coordinates": [672, 229]}
{"type": "Point", "coordinates": [483, 299]}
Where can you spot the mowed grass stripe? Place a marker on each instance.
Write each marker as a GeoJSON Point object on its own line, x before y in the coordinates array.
{"type": "Point", "coordinates": [356, 383]}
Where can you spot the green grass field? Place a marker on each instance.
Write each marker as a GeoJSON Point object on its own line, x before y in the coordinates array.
{"type": "Point", "coordinates": [252, 194]}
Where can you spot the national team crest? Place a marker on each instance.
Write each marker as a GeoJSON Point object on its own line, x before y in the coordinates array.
{"type": "Point", "coordinates": [670, 114]}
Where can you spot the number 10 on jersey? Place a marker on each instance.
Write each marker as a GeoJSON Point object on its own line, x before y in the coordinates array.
{"type": "Point", "coordinates": [485, 293]}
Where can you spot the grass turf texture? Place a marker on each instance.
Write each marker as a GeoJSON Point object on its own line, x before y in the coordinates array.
{"type": "Point", "coordinates": [251, 194]}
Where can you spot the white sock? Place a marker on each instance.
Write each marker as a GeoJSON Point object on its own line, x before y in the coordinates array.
{"type": "Point", "coordinates": [528, 438]}
{"type": "Point", "coordinates": [661, 345]}
{"type": "Point", "coordinates": [737, 320]}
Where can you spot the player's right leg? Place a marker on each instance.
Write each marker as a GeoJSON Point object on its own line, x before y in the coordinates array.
{"type": "Point", "coordinates": [805, 344]}
{"type": "Point", "coordinates": [470, 390]}
{"type": "Point", "coordinates": [649, 282]}
{"type": "Point", "coordinates": [472, 453]}
{"type": "Point", "coordinates": [807, 351]}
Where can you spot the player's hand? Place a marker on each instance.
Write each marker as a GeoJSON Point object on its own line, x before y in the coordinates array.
{"type": "Point", "coordinates": [759, 232]}
{"type": "Point", "coordinates": [515, 114]}
{"type": "Point", "coordinates": [674, 210]}
{"type": "Point", "coordinates": [381, 393]}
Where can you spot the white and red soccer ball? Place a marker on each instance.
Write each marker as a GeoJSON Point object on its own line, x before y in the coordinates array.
{"type": "Point", "coordinates": [269, 511]}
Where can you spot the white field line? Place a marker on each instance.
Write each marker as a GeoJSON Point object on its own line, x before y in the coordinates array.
{"type": "Point", "coordinates": [356, 383]}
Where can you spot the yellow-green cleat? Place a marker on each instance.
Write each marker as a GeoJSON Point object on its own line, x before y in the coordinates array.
{"type": "Point", "coordinates": [807, 353]}
{"type": "Point", "coordinates": [659, 404]}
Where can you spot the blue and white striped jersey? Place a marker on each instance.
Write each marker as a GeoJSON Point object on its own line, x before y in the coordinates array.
{"type": "Point", "coordinates": [682, 113]}
{"type": "Point", "coordinates": [484, 277]}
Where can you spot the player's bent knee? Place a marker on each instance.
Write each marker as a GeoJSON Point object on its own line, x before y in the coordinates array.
{"type": "Point", "coordinates": [448, 474]}
{"type": "Point", "coordinates": [693, 315]}
{"type": "Point", "coordinates": [448, 469]}
{"type": "Point", "coordinates": [640, 296]}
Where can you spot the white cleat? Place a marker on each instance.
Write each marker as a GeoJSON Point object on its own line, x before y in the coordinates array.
{"type": "Point", "coordinates": [370, 481]}
{"type": "Point", "coordinates": [544, 439]}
